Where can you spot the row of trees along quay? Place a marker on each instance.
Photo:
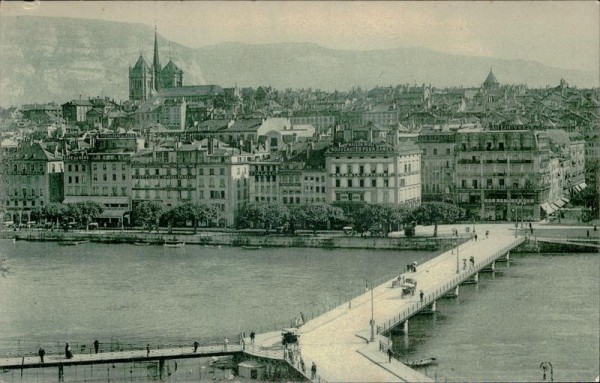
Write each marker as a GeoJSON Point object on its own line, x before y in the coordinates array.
{"type": "Point", "coordinates": [374, 219]}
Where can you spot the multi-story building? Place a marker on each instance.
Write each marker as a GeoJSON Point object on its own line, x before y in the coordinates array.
{"type": "Point", "coordinates": [103, 174]}
{"type": "Point", "coordinates": [437, 163]}
{"type": "Point", "coordinates": [264, 181]}
{"type": "Point", "coordinates": [32, 177]}
{"type": "Point", "coordinates": [502, 175]}
{"type": "Point", "coordinates": [207, 171]}
{"type": "Point", "coordinates": [374, 173]}
{"type": "Point", "coordinates": [75, 111]}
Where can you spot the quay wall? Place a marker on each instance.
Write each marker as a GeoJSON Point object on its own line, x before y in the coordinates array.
{"type": "Point", "coordinates": [533, 245]}
{"type": "Point", "coordinates": [241, 239]}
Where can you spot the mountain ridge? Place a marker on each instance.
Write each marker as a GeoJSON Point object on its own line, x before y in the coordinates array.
{"type": "Point", "coordinates": [56, 59]}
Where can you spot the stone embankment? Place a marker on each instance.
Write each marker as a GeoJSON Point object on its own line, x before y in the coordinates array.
{"type": "Point", "coordinates": [321, 240]}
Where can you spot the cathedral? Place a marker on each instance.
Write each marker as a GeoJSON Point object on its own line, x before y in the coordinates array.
{"type": "Point", "coordinates": [146, 80]}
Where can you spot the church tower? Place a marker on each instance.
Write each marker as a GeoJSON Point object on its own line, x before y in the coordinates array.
{"type": "Point", "coordinates": [140, 80]}
{"type": "Point", "coordinates": [171, 76]}
{"type": "Point", "coordinates": [156, 68]}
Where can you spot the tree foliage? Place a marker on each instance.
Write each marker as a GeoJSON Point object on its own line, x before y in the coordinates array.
{"type": "Point", "coordinates": [437, 212]}
{"type": "Point", "coordinates": [380, 217]}
{"type": "Point", "coordinates": [316, 215]}
{"type": "Point", "coordinates": [83, 212]}
{"type": "Point", "coordinates": [147, 213]}
{"type": "Point", "coordinates": [262, 214]}
{"type": "Point", "coordinates": [198, 213]}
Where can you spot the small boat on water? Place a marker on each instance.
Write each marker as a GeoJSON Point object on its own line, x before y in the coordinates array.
{"type": "Point", "coordinates": [13, 240]}
{"type": "Point", "coordinates": [213, 246]}
{"type": "Point", "coordinates": [71, 243]}
{"type": "Point", "coordinates": [251, 247]}
{"type": "Point", "coordinates": [420, 362]}
{"type": "Point", "coordinates": [141, 243]}
{"type": "Point", "coordinates": [173, 244]}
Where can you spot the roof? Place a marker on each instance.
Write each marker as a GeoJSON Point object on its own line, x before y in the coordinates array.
{"type": "Point", "coordinates": [249, 124]}
{"type": "Point", "coordinates": [77, 102]}
{"type": "Point", "coordinates": [191, 91]}
{"type": "Point", "coordinates": [491, 80]}
{"type": "Point", "coordinates": [141, 63]}
{"type": "Point", "coordinates": [171, 67]}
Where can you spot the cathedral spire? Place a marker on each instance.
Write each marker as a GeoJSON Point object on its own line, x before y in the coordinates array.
{"type": "Point", "coordinates": [156, 63]}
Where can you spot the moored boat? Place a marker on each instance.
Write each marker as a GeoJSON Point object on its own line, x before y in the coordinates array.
{"type": "Point", "coordinates": [420, 362]}
{"type": "Point", "coordinates": [251, 247]}
{"type": "Point", "coordinates": [173, 244]}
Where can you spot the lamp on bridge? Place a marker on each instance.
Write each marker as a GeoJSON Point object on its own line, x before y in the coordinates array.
{"type": "Point", "coordinates": [372, 321]}
{"type": "Point", "coordinates": [455, 234]}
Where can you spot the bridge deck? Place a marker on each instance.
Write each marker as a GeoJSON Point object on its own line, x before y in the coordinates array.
{"type": "Point", "coordinates": [55, 360]}
{"type": "Point", "coordinates": [333, 340]}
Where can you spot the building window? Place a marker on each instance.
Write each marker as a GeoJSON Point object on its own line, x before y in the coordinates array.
{"type": "Point", "coordinates": [114, 177]}
{"type": "Point", "coordinates": [373, 182]}
{"type": "Point", "coordinates": [337, 183]}
{"type": "Point", "coordinates": [435, 152]}
{"type": "Point", "coordinates": [349, 183]}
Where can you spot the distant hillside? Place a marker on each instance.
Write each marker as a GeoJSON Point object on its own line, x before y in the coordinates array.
{"type": "Point", "coordinates": [43, 59]}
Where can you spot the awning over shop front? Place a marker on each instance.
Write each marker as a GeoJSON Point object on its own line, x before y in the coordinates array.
{"type": "Point", "coordinates": [548, 208]}
{"type": "Point", "coordinates": [113, 213]}
{"type": "Point", "coordinates": [566, 200]}
{"type": "Point", "coordinates": [559, 203]}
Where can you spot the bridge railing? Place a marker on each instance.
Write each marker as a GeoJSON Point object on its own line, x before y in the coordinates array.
{"type": "Point", "coordinates": [442, 290]}
{"type": "Point", "coordinates": [294, 358]}
{"type": "Point", "coordinates": [20, 348]}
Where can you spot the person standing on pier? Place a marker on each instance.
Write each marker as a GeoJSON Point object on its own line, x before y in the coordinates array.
{"type": "Point", "coordinates": [41, 353]}
{"type": "Point", "coordinates": [96, 346]}
{"type": "Point", "coordinates": [252, 336]}
{"type": "Point", "coordinates": [196, 344]}
{"type": "Point", "coordinates": [148, 349]}
{"type": "Point", "coordinates": [68, 352]}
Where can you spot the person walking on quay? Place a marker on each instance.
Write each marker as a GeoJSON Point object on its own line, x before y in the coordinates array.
{"type": "Point", "coordinates": [68, 352]}
{"type": "Point", "coordinates": [421, 295]}
{"type": "Point", "coordinates": [148, 349]}
{"type": "Point", "coordinates": [96, 346]}
{"type": "Point", "coordinates": [475, 235]}
{"type": "Point", "coordinates": [41, 353]}
{"type": "Point", "coordinates": [252, 336]}
{"type": "Point", "coordinates": [390, 353]}
{"type": "Point", "coordinates": [472, 260]}
{"type": "Point", "coordinates": [464, 263]}
{"type": "Point", "coordinates": [313, 371]}
{"type": "Point", "coordinates": [196, 344]}
{"type": "Point", "coordinates": [225, 343]}
{"type": "Point", "coordinates": [487, 234]}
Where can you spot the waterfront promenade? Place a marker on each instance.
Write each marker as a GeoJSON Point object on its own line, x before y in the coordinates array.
{"type": "Point", "coordinates": [337, 340]}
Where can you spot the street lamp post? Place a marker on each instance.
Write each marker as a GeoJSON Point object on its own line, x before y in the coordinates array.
{"type": "Point", "coordinates": [457, 257]}
{"type": "Point", "coordinates": [372, 322]}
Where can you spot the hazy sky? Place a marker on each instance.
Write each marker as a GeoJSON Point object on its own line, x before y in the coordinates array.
{"type": "Point", "coordinates": [561, 34]}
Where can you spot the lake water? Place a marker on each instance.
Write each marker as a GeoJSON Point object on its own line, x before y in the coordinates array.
{"type": "Point", "coordinates": [541, 308]}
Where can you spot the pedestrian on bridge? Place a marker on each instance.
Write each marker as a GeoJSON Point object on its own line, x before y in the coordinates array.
{"type": "Point", "coordinates": [41, 353]}
{"type": "Point", "coordinates": [68, 352]}
{"type": "Point", "coordinates": [96, 346]}
{"type": "Point", "coordinates": [196, 344]}
{"type": "Point", "coordinates": [148, 349]}
{"type": "Point", "coordinates": [464, 263]}
{"type": "Point", "coordinates": [390, 353]}
{"type": "Point", "coordinates": [252, 336]}
{"type": "Point", "coordinates": [487, 234]}
{"type": "Point", "coordinates": [313, 371]}
{"type": "Point", "coordinates": [421, 295]}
